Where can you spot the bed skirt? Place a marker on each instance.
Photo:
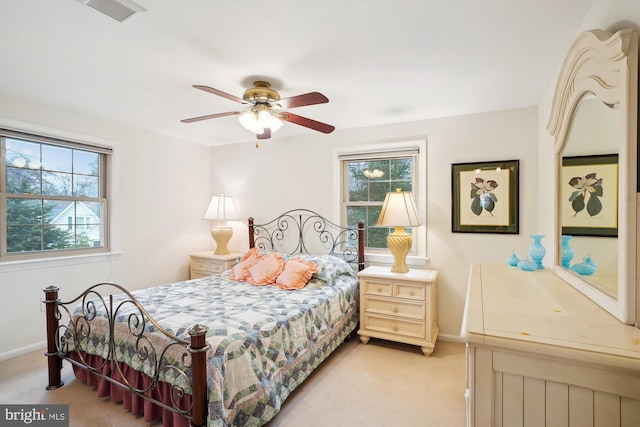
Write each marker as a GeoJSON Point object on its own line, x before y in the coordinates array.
{"type": "Point", "coordinates": [130, 401]}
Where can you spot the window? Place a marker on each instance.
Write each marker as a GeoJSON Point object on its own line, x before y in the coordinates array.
{"type": "Point", "coordinates": [53, 197]}
{"type": "Point", "coordinates": [366, 178]}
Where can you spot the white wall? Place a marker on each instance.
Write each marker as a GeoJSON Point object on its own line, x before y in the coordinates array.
{"type": "Point", "coordinates": [161, 188]}
{"type": "Point", "coordinates": [298, 173]}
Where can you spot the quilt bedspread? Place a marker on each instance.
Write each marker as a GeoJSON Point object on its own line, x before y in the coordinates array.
{"type": "Point", "coordinates": [264, 340]}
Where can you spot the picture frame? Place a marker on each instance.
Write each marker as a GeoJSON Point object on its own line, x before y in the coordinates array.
{"type": "Point", "coordinates": [589, 195]}
{"type": "Point", "coordinates": [485, 197]}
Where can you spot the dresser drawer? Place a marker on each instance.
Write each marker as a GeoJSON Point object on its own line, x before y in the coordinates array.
{"type": "Point", "coordinates": [414, 310]}
{"type": "Point", "coordinates": [375, 287]}
{"type": "Point", "coordinates": [395, 326]}
{"type": "Point", "coordinates": [409, 291]}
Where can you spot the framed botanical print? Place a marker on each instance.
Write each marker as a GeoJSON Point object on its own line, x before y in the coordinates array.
{"type": "Point", "coordinates": [589, 195]}
{"type": "Point", "coordinates": [485, 197]}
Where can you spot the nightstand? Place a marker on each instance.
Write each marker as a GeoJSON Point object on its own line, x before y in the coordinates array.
{"type": "Point", "coordinates": [207, 263]}
{"type": "Point", "coordinates": [399, 307]}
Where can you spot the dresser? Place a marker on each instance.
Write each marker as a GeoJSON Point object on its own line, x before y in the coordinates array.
{"type": "Point", "coordinates": [207, 263]}
{"type": "Point", "coordinates": [399, 307]}
{"type": "Point", "coordinates": [539, 353]}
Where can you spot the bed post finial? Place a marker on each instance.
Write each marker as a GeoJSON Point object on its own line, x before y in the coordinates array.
{"type": "Point", "coordinates": [198, 350]}
{"type": "Point", "coordinates": [53, 360]}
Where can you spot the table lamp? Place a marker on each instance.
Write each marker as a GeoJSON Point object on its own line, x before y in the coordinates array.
{"type": "Point", "coordinates": [399, 211]}
{"type": "Point", "coordinates": [221, 209]}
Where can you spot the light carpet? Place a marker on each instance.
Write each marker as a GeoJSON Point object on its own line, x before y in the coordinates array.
{"type": "Point", "coordinates": [379, 384]}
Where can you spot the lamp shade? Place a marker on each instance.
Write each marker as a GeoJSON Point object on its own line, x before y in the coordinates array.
{"type": "Point", "coordinates": [399, 210]}
{"type": "Point", "coordinates": [221, 208]}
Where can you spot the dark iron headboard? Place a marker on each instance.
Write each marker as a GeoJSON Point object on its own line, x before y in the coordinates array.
{"type": "Point", "coordinates": [301, 231]}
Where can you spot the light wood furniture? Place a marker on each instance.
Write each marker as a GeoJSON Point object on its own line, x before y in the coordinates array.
{"type": "Point", "coordinates": [539, 353]}
{"type": "Point", "coordinates": [207, 263]}
{"type": "Point", "coordinates": [399, 307]}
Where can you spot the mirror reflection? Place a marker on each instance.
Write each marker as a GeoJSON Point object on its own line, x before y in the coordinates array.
{"type": "Point", "coordinates": [588, 188]}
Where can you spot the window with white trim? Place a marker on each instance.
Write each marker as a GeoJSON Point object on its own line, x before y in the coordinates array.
{"type": "Point", "coordinates": [365, 180]}
{"type": "Point", "coordinates": [53, 197]}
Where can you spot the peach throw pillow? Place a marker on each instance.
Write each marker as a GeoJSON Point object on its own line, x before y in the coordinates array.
{"type": "Point", "coordinates": [296, 274]}
{"type": "Point", "coordinates": [266, 270]}
{"type": "Point", "coordinates": [239, 271]}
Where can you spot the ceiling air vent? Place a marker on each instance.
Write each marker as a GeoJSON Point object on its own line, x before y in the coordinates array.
{"type": "Point", "coordinates": [120, 10]}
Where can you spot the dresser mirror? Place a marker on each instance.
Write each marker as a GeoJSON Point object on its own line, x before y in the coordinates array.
{"type": "Point", "coordinates": [594, 123]}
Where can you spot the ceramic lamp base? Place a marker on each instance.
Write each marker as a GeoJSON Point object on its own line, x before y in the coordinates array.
{"type": "Point", "coordinates": [222, 235]}
{"type": "Point", "coordinates": [399, 243]}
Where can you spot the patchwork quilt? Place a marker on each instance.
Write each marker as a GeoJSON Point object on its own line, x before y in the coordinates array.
{"type": "Point", "coordinates": [264, 340]}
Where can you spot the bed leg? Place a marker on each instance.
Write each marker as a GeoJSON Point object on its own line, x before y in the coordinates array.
{"type": "Point", "coordinates": [54, 361]}
{"type": "Point", "coordinates": [198, 349]}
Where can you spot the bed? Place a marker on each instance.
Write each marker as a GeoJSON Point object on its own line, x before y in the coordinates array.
{"type": "Point", "coordinates": [221, 350]}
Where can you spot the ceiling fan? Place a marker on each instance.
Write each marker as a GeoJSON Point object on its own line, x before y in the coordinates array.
{"type": "Point", "coordinates": [266, 109]}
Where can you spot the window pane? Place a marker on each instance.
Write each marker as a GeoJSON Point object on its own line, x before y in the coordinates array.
{"type": "Point", "coordinates": [22, 154]}
{"type": "Point", "coordinates": [23, 181]}
{"type": "Point", "coordinates": [87, 186]}
{"type": "Point", "coordinates": [24, 238]}
{"type": "Point", "coordinates": [86, 163]}
{"type": "Point", "coordinates": [56, 184]}
{"type": "Point", "coordinates": [356, 214]}
{"type": "Point", "coordinates": [57, 211]}
{"type": "Point", "coordinates": [56, 159]}
{"type": "Point", "coordinates": [56, 237]}
{"type": "Point", "coordinates": [24, 211]}
{"type": "Point", "coordinates": [378, 191]}
{"type": "Point", "coordinates": [89, 236]}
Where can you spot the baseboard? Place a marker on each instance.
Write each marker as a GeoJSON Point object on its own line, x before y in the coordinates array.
{"type": "Point", "coordinates": [24, 350]}
{"type": "Point", "coordinates": [453, 338]}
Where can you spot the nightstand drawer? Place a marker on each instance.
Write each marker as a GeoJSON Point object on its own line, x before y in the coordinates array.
{"type": "Point", "coordinates": [212, 267]}
{"type": "Point", "coordinates": [374, 287]}
{"type": "Point", "coordinates": [395, 326]}
{"type": "Point", "coordinates": [409, 291]}
{"type": "Point", "coordinates": [196, 274]}
{"type": "Point", "coordinates": [395, 308]}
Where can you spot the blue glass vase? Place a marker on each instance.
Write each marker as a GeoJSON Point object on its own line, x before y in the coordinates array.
{"type": "Point", "coordinates": [536, 250]}
{"type": "Point", "coordinates": [567, 251]}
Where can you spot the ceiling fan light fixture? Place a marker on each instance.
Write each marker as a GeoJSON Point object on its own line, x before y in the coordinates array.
{"type": "Point", "coordinates": [249, 121]}
{"type": "Point", "coordinates": [259, 118]}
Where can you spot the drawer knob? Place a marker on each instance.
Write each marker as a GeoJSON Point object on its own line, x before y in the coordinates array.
{"type": "Point", "coordinates": [379, 288]}
{"type": "Point", "coordinates": [411, 292]}
{"type": "Point", "coordinates": [394, 326]}
{"type": "Point", "coordinates": [394, 308]}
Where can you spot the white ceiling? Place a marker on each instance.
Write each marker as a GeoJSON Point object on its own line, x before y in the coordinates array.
{"type": "Point", "coordinates": [377, 61]}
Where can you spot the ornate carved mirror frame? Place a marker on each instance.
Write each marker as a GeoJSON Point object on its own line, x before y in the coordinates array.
{"type": "Point", "coordinates": [605, 65]}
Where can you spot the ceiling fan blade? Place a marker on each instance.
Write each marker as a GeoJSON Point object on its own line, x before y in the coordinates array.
{"type": "Point", "coordinates": [306, 122]}
{"type": "Point", "coordinates": [220, 93]}
{"type": "Point", "coordinates": [209, 116]}
{"type": "Point", "coordinates": [266, 134]}
{"type": "Point", "coordinates": [311, 98]}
